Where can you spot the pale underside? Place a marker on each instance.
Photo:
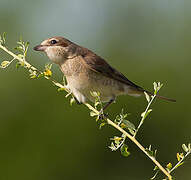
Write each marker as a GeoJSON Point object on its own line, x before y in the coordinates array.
{"type": "Point", "coordinates": [81, 81]}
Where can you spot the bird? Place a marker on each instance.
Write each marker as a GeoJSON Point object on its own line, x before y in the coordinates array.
{"type": "Point", "coordinates": [87, 72]}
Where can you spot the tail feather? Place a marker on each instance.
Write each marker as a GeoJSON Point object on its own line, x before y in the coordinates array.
{"type": "Point", "coordinates": [161, 97]}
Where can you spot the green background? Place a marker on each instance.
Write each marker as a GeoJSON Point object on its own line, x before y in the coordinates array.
{"type": "Point", "coordinates": [43, 138]}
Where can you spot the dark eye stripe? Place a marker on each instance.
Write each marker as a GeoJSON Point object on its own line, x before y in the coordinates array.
{"type": "Point", "coordinates": [53, 41]}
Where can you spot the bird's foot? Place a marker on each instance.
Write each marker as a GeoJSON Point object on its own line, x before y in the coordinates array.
{"type": "Point", "coordinates": [102, 116]}
{"type": "Point", "coordinates": [77, 102]}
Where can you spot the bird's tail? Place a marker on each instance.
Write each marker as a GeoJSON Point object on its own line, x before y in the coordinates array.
{"type": "Point", "coordinates": [161, 97]}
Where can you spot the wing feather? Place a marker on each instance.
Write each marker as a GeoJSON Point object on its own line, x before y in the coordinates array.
{"type": "Point", "coordinates": [99, 65]}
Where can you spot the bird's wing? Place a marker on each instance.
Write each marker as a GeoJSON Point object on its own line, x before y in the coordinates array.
{"type": "Point", "coordinates": [99, 65]}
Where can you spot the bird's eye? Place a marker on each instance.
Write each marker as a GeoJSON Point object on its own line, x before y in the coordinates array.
{"type": "Point", "coordinates": [53, 41]}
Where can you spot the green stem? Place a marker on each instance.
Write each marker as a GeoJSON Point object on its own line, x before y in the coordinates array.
{"type": "Point", "coordinates": [179, 162]}
{"type": "Point", "coordinates": [133, 140]}
{"type": "Point", "coordinates": [143, 118]}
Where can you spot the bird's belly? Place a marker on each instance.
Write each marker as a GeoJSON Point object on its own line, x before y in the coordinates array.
{"type": "Point", "coordinates": [82, 86]}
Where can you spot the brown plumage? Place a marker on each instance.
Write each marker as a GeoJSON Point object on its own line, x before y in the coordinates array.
{"type": "Point", "coordinates": [85, 72]}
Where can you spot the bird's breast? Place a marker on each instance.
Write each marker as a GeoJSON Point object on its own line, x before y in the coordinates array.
{"type": "Point", "coordinates": [86, 82]}
{"type": "Point", "coordinates": [82, 80]}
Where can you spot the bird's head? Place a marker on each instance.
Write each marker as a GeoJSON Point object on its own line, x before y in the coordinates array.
{"type": "Point", "coordinates": [58, 49]}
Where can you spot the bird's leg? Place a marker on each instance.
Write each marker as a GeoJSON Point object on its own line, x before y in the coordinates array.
{"type": "Point", "coordinates": [110, 102]}
{"type": "Point", "coordinates": [102, 114]}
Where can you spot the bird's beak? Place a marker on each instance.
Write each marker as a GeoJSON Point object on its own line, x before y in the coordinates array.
{"type": "Point", "coordinates": [39, 48]}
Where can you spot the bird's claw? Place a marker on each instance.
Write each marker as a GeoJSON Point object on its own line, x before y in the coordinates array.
{"type": "Point", "coordinates": [77, 102]}
{"type": "Point", "coordinates": [102, 116]}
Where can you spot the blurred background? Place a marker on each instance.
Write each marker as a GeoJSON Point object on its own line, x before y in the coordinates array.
{"type": "Point", "coordinates": [43, 138]}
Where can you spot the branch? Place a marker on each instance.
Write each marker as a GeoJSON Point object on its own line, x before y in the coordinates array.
{"type": "Point", "coordinates": [36, 73]}
{"type": "Point", "coordinates": [134, 141]}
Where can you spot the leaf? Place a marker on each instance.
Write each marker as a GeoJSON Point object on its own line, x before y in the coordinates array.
{"type": "Point", "coordinates": [96, 103]}
{"type": "Point", "coordinates": [72, 100]}
{"type": "Point", "coordinates": [169, 166]}
{"type": "Point", "coordinates": [155, 86]}
{"type": "Point", "coordinates": [178, 156]}
{"type": "Point", "coordinates": [92, 114]}
{"type": "Point", "coordinates": [189, 147]}
{"type": "Point", "coordinates": [147, 96]}
{"type": "Point", "coordinates": [181, 155]}
{"type": "Point", "coordinates": [2, 38]}
{"type": "Point", "coordinates": [101, 125]}
{"type": "Point", "coordinates": [57, 84]}
{"type": "Point", "coordinates": [180, 164]}
{"type": "Point", "coordinates": [155, 168]}
{"type": "Point", "coordinates": [185, 148]}
{"type": "Point", "coordinates": [94, 94]}
{"type": "Point", "coordinates": [18, 64]}
{"type": "Point", "coordinates": [112, 147]}
{"type": "Point", "coordinates": [150, 153]}
{"type": "Point", "coordinates": [48, 66]}
{"type": "Point", "coordinates": [116, 138]}
{"type": "Point", "coordinates": [132, 131]}
{"type": "Point", "coordinates": [60, 89]}
{"type": "Point", "coordinates": [20, 56]}
{"type": "Point", "coordinates": [128, 124]}
{"type": "Point", "coordinates": [33, 74]}
{"type": "Point", "coordinates": [155, 175]}
{"type": "Point", "coordinates": [68, 94]}
{"type": "Point", "coordinates": [4, 64]}
{"type": "Point", "coordinates": [144, 115]}
{"type": "Point", "coordinates": [124, 151]}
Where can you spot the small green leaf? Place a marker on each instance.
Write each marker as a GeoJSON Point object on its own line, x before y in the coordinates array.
{"type": "Point", "coordinates": [112, 147]}
{"type": "Point", "coordinates": [2, 38]}
{"type": "Point", "coordinates": [132, 131]}
{"type": "Point", "coordinates": [180, 164]}
{"type": "Point", "coordinates": [18, 64]}
{"type": "Point", "coordinates": [116, 138]}
{"type": "Point", "coordinates": [189, 147]}
{"type": "Point", "coordinates": [169, 166]}
{"type": "Point", "coordinates": [96, 103]}
{"type": "Point", "coordinates": [151, 152]}
{"type": "Point", "coordinates": [124, 151]}
{"type": "Point", "coordinates": [95, 94]}
{"type": "Point", "coordinates": [178, 156]}
{"type": "Point", "coordinates": [21, 56]}
{"type": "Point", "coordinates": [128, 124]}
{"type": "Point", "coordinates": [19, 48]}
{"type": "Point", "coordinates": [72, 100]}
{"type": "Point", "coordinates": [48, 66]}
{"type": "Point", "coordinates": [147, 96]}
{"type": "Point", "coordinates": [155, 86]}
{"type": "Point", "coordinates": [92, 114]}
{"type": "Point", "coordinates": [155, 175]}
{"type": "Point", "coordinates": [33, 74]}
{"type": "Point", "coordinates": [144, 115]}
{"type": "Point", "coordinates": [67, 94]}
{"type": "Point", "coordinates": [60, 89]}
{"type": "Point", "coordinates": [101, 125]}
{"type": "Point", "coordinates": [4, 64]}
{"type": "Point", "coordinates": [185, 148]}
{"type": "Point", "coordinates": [181, 155]}
{"type": "Point", "coordinates": [155, 168]}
